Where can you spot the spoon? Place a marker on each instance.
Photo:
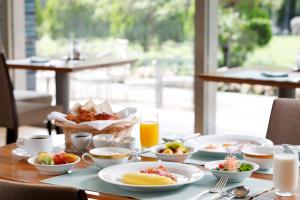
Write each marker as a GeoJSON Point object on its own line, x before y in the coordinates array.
{"type": "Point", "coordinates": [181, 139]}
{"type": "Point", "coordinates": [239, 192]}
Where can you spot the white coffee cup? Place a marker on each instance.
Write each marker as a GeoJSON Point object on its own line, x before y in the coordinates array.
{"type": "Point", "coordinates": [103, 140]}
{"type": "Point", "coordinates": [35, 144]}
{"type": "Point", "coordinates": [81, 141]}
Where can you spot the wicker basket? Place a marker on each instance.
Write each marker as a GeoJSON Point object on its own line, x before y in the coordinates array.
{"type": "Point", "coordinates": [120, 129]}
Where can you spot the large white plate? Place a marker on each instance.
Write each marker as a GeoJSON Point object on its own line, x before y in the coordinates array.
{"type": "Point", "coordinates": [201, 142]}
{"type": "Point", "coordinates": [185, 174]}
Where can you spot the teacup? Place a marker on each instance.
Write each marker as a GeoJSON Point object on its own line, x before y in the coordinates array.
{"type": "Point", "coordinates": [81, 141]}
{"type": "Point", "coordinates": [125, 142]}
{"type": "Point", "coordinates": [106, 156]}
{"type": "Point", "coordinates": [103, 140]}
{"type": "Point", "coordinates": [35, 144]}
{"type": "Point", "coordinates": [263, 156]}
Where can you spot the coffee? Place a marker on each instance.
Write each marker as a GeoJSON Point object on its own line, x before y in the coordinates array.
{"type": "Point", "coordinates": [80, 136]}
{"type": "Point", "coordinates": [38, 138]}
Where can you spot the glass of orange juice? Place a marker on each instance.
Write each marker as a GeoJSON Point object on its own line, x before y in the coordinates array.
{"type": "Point", "coordinates": [149, 130]}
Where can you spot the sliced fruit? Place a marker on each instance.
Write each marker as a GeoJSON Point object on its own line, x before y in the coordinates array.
{"type": "Point", "coordinates": [167, 151]}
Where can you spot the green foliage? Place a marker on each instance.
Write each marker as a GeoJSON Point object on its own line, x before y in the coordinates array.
{"type": "Point", "coordinates": [144, 22]}
{"type": "Point", "coordinates": [244, 26]}
{"type": "Point", "coordinates": [152, 24]}
{"type": "Point", "coordinates": [262, 28]}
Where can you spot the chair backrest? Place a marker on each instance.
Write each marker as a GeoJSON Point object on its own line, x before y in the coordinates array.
{"type": "Point", "coordinates": [22, 191]}
{"type": "Point", "coordinates": [284, 123]}
{"type": "Point", "coordinates": [2, 50]}
{"type": "Point", "coordinates": [8, 114]}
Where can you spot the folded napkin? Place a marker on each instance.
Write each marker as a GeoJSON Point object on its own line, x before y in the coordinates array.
{"type": "Point", "coordinates": [88, 179]}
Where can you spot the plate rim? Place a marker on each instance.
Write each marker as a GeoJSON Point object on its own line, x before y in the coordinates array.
{"type": "Point", "coordinates": [120, 184]}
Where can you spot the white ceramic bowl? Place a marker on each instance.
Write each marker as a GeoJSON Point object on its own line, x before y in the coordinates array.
{"type": "Point", "coordinates": [125, 142]}
{"type": "Point", "coordinates": [52, 169]}
{"type": "Point", "coordinates": [103, 140]}
{"type": "Point", "coordinates": [172, 157]}
{"type": "Point", "coordinates": [82, 140]}
{"type": "Point", "coordinates": [106, 156]}
{"type": "Point", "coordinates": [263, 156]}
{"type": "Point", "coordinates": [232, 176]}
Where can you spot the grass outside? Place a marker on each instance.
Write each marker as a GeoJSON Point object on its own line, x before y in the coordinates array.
{"type": "Point", "coordinates": [279, 53]}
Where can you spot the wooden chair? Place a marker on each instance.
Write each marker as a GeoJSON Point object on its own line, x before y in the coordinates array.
{"type": "Point", "coordinates": [284, 123]}
{"type": "Point", "coordinates": [29, 96]}
{"type": "Point", "coordinates": [10, 190]}
{"type": "Point", "coordinates": [14, 114]}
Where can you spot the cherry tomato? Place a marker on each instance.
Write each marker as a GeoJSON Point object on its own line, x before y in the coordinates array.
{"type": "Point", "coordinates": [221, 166]}
{"type": "Point", "coordinates": [59, 159]}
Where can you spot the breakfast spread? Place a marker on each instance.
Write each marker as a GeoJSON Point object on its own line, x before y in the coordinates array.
{"type": "Point", "coordinates": [150, 176]}
{"type": "Point", "coordinates": [174, 148]}
{"type": "Point", "coordinates": [44, 158]}
{"type": "Point", "coordinates": [233, 164]}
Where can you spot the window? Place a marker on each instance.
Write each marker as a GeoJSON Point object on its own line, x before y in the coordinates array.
{"type": "Point", "coordinates": [159, 33]}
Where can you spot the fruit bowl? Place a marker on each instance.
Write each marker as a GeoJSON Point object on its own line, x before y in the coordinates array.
{"type": "Point", "coordinates": [172, 157]}
{"type": "Point", "coordinates": [52, 169]}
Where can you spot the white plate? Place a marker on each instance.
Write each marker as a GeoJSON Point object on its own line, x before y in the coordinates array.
{"type": "Point", "coordinates": [185, 174]}
{"type": "Point", "coordinates": [20, 153]}
{"type": "Point", "coordinates": [201, 142]}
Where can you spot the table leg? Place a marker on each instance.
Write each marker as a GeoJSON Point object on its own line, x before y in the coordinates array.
{"type": "Point", "coordinates": [62, 81]}
{"type": "Point", "coordinates": [287, 93]}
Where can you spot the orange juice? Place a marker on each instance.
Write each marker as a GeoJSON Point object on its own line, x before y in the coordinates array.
{"type": "Point", "coordinates": [149, 134]}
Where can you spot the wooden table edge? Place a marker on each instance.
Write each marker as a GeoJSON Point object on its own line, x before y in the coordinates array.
{"type": "Point", "coordinates": [74, 69]}
{"type": "Point", "coordinates": [219, 78]}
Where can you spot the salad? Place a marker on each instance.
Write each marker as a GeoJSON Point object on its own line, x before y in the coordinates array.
{"type": "Point", "coordinates": [233, 164]}
{"type": "Point", "coordinates": [174, 148]}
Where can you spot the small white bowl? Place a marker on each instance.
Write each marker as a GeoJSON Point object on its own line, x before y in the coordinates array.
{"type": "Point", "coordinates": [263, 156]}
{"type": "Point", "coordinates": [106, 156]}
{"type": "Point", "coordinates": [82, 140]}
{"type": "Point", "coordinates": [103, 140]}
{"type": "Point", "coordinates": [52, 169]}
{"type": "Point", "coordinates": [172, 157]}
{"type": "Point", "coordinates": [232, 176]}
{"type": "Point", "coordinates": [125, 142]}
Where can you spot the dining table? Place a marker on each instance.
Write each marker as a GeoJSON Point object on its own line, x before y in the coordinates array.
{"type": "Point", "coordinates": [287, 81]}
{"type": "Point", "coordinates": [18, 170]}
{"type": "Point", "coordinates": [63, 69]}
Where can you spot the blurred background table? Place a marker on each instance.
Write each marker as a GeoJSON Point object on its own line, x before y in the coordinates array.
{"type": "Point", "coordinates": [62, 69]}
{"type": "Point", "coordinates": [286, 84]}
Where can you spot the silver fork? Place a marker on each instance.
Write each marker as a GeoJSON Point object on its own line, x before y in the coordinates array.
{"type": "Point", "coordinates": [216, 189]}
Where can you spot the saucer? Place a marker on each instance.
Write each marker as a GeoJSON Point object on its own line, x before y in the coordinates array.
{"type": "Point", "coordinates": [20, 154]}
